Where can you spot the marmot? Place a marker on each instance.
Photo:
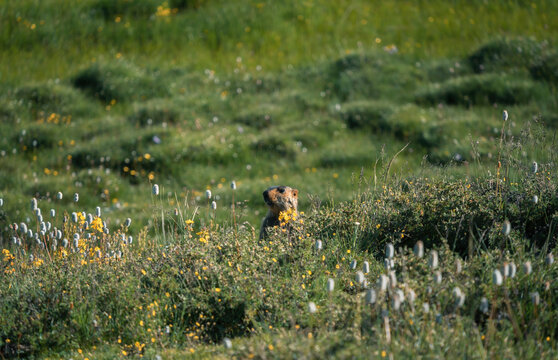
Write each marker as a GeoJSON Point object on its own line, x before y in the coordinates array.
{"type": "Point", "coordinates": [278, 198]}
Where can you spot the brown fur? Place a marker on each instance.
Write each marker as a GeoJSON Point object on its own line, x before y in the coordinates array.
{"type": "Point", "coordinates": [277, 198]}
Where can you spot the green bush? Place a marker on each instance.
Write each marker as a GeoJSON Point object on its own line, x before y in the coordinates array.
{"type": "Point", "coordinates": [546, 68]}
{"type": "Point", "coordinates": [119, 81]}
{"type": "Point", "coordinates": [488, 89]}
{"type": "Point", "coordinates": [369, 115]}
{"type": "Point", "coordinates": [505, 54]}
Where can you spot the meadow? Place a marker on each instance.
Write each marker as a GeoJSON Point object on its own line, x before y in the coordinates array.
{"type": "Point", "coordinates": [139, 135]}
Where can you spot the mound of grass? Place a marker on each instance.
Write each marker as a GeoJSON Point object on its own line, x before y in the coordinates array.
{"type": "Point", "coordinates": [504, 54]}
{"type": "Point", "coordinates": [120, 81]}
{"type": "Point", "coordinates": [154, 113]}
{"type": "Point", "coordinates": [486, 89]}
{"type": "Point", "coordinates": [48, 98]}
{"type": "Point", "coordinates": [546, 68]}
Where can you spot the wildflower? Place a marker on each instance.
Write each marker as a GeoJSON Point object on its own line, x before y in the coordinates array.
{"type": "Point", "coordinates": [458, 266]}
{"type": "Point", "coordinates": [65, 243]}
{"type": "Point", "coordinates": [213, 205]}
{"type": "Point", "coordinates": [459, 297]}
{"type": "Point", "coordinates": [387, 263]}
{"type": "Point", "coordinates": [535, 298]}
{"type": "Point", "coordinates": [23, 228]}
{"type": "Point", "coordinates": [98, 211]}
{"type": "Point", "coordinates": [318, 245]}
{"type": "Point", "coordinates": [534, 167]}
{"type": "Point", "coordinates": [33, 204]}
{"type": "Point", "coordinates": [390, 251]}
{"type": "Point", "coordinates": [433, 259]}
{"type": "Point", "coordinates": [484, 305]}
{"type": "Point", "coordinates": [505, 270]}
{"type": "Point", "coordinates": [233, 185]}
{"type": "Point", "coordinates": [437, 277]}
{"type": "Point", "coordinates": [396, 302]}
{"type": "Point", "coordinates": [312, 307]}
{"type": "Point", "coordinates": [426, 307]}
{"type": "Point", "coordinates": [155, 189]}
{"type": "Point", "coordinates": [353, 264]}
{"type": "Point", "coordinates": [370, 297]}
{"type": "Point", "coordinates": [52, 213]}
{"type": "Point", "coordinates": [366, 267]}
{"type": "Point", "coordinates": [505, 115]}
{"type": "Point", "coordinates": [383, 282]}
{"type": "Point", "coordinates": [128, 222]}
{"type": "Point", "coordinates": [59, 195]}
{"type": "Point", "coordinates": [411, 296]}
{"type": "Point", "coordinates": [392, 279]}
{"type": "Point", "coordinates": [330, 285]}
{"type": "Point", "coordinates": [535, 199]}
{"type": "Point", "coordinates": [227, 343]}
{"type": "Point", "coordinates": [359, 277]}
{"type": "Point", "coordinates": [549, 260]}
{"type": "Point", "coordinates": [74, 217]}
{"type": "Point", "coordinates": [76, 197]}
{"type": "Point", "coordinates": [527, 268]}
{"type": "Point", "coordinates": [506, 228]}
{"type": "Point", "coordinates": [497, 278]}
{"type": "Point", "coordinates": [512, 269]}
{"type": "Point", "coordinates": [418, 249]}
{"type": "Point", "coordinates": [208, 194]}
{"type": "Point", "coordinates": [1, 202]}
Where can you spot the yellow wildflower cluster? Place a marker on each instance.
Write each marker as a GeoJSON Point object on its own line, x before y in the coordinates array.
{"type": "Point", "coordinates": [54, 118]}
{"type": "Point", "coordinates": [9, 262]}
{"type": "Point", "coordinates": [97, 224]}
{"type": "Point", "coordinates": [203, 236]}
{"type": "Point", "coordinates": [288, 216]}
{"type": "Point", "coordinates": [163, 10]}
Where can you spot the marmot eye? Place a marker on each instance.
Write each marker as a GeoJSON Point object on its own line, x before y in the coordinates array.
{"type": "Point", "coordinates": [281, 190]}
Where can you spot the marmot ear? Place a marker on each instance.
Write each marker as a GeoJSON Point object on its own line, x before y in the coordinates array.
{"type": "Point", "coordinates": [295, 192]}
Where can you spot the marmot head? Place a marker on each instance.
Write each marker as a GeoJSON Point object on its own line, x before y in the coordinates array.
{"type": "Point", "coordinates": [281, 198]}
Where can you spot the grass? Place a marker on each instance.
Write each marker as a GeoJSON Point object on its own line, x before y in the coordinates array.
{"type": "Point", "coordinates": [383, 114]}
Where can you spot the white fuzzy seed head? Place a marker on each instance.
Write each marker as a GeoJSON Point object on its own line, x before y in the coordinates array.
{"type": "Point", "coordinates": [390, 251]}
{"type": "Point", "coordinates": [433, 259]}
{"type": "Point", "coordinates": [312, 307]}
{"type": "Point", "coordinates": [318, 245]}
{"type": "Point", "coordinates": [497, 278]}
{"type": "Point", "coordinates": [76, 197]}
{"type": "Point", "coordinates": [330, 285]}
{"type": "Point", "coordinates": [213, 205]}
{"type": "Point", "coordinates": [506, 228]}
{"type": "Point", "coordinates": [535, 167]}
{"type": "Point", "coordinates": [527, 268]}
{"type": "Point", "coordinates": [370, 297]}
{"type": "Point", "coordinates": [359, 277]}
{"type": "Point", "coordinates": [418, 249]}
{"type": "Point", "coordinates": [59, 195]}
{"type": "Point", "coordinates": [208, 194]}
{"type": "Point", "coordinates": [233, 185]}
{"type": "Point", "coordinates": [366, 267]}
{"type": "Point", "coordinates": [155, 189]}
{"type": "Point", "coordinates": [505, 115]}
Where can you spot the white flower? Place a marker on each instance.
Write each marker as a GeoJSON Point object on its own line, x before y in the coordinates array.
{"type": "Point", "coordinates": [208, 194]}
{"type": "Point", "coordinates": [506, 228]}
{"type": "Point", "coordinates": [366, 267]}
{"type": "Point", "coordinates": [33, 204]}
{"type": "Point", "coordinates": [330, 284]}
{"type": "Point", "coordinates": [497, 278]}
{"type": "Point", "coordinates": [359, 277]}
{"type": "Point", "coordinates": [549, 260]}
{"type": "Point", "coordinates": [76, 197]}
{"type": "Point", "coordinates": [535, 298]}
{"type": "Point", "coordinates": [98, 211]}
{"type": "Point", "coordinates": [227, 343]}
{"type": "Point", "coordinates": [426, 307]}
{"type": "Point", "coordinates": [505, 115]}
{"type": "Point", "coordinates": [214, 205]}
{"type": "Point", "coordinates": [155, 189]}
{"type": "Point", "coordinates": [419, 249]}
{"type": "Point", "coordinates": [383, 282]}
{"type": "Point", "coordinates": [527, 268]}
{"type": "Point", "coordinates": [535, 167]}
{"type": "Point", "coordinates": [433, 259]}
{"type": "Point", "coordinates": [52, 213]}
{"type": "Point", "coordinates": [59, 195]}
{"type": "Point", "coordinates": [233, 185]}
{"type": "Point", "coordinates": [411, 296]}
{"type": "Point", "coordinates": [312, 307]}
{"type": "Point", "coordinates": [353, 264]}
{"type": "Point", "coordinates": [484, 305]}
{"type": "Point", "coordinates": [458, 266]}
{"type": "Point", "coordinates": [390, 251]}
{"type": "Point", "coordinates": [437, 277]}
{"type": "Point", "coordinates": [535, 199]}
{"type": "Point", "coordinates": [392, 279]}
{"type": "Point", "coordinates": [318, 244]}
{"type": "Point", "coordinates": [370, 297]}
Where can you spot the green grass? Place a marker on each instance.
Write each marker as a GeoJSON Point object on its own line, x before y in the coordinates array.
{"type": "Point", "coordinates": [382, 113]}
